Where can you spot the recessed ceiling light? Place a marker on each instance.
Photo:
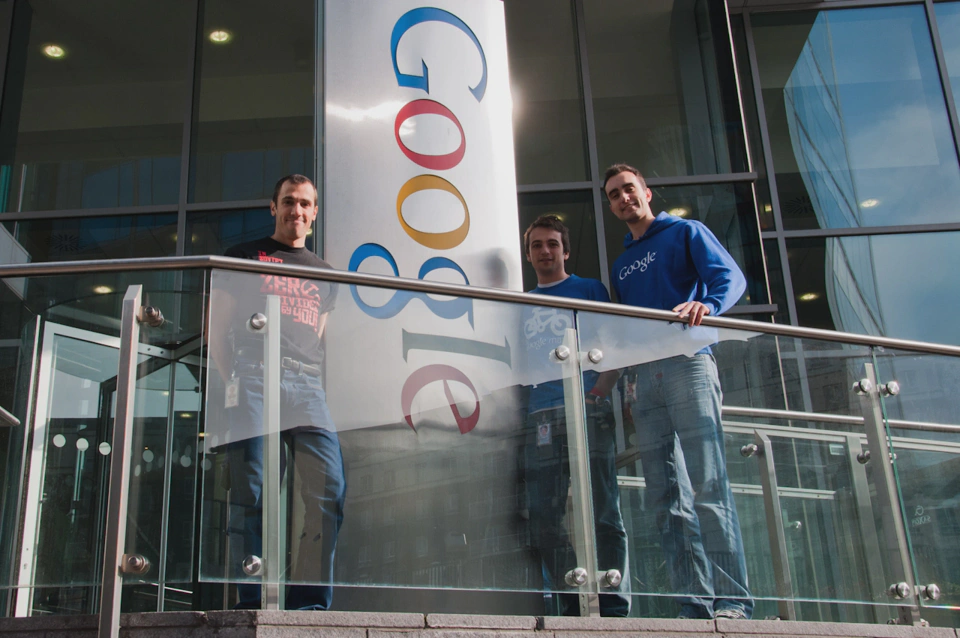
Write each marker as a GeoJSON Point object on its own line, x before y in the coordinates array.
{"type": "Point", "coordinates": [870, 203]}
{"type": "Point", "coordinates": [102, 290]}
{"type": "Point", "coordinates": [678, 212]}
{"type": "Point", "coordinates": [220, 36]}
{"type": "Point", "coordinates": [54, 51]}
{"type": "Point", "coordinates": [809, 296]}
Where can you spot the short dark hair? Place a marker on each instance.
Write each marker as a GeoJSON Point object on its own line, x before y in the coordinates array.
{"type": "Point", "coordinates": [553, 223]}
{"type": "Point", "coordinates": [616, 169]}
{"type": "Point", "coordinates": [295, 179]}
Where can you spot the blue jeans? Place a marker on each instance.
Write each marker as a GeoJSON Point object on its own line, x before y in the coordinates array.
{"type": "Point", "coordinates": [315, 453]}
{"type": "Point", "coordinates": [677, 418]}
{"type": "Point", "coordinates": [547, 478]}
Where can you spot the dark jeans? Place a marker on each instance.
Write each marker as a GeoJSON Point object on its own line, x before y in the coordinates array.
{"type": "Point", "coordinates": [547, 475]}
{"type": "Point", "coordinates": [315, 453]}
{"type": "Point", "coordinates": [677, 418]}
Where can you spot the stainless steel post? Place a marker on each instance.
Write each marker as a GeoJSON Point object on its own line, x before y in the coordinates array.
{"type": "Point", "coordinates": [885, 484]}
{"type": "Point", "coordinates": [775, 530]}
{"type": "Point", "coordinates": [270, 494]}
{"type": "Point", "coordinates": [584, 534]}
{"type": "Point", "coordinates": [118, 494]}
{"type": "Point", "coordinates": [869, 541]}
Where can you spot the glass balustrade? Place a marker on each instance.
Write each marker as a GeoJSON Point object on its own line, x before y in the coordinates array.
{"type": "Point", "coordinates": [919, 394]}
{"type": "Point", "coordinates": [58, 466]}
{"type": "Point", "coordinates": [300, 443]}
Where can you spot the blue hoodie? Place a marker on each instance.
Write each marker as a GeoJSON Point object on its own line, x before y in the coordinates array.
{"type": "Point", "coordinates": [675, 261]}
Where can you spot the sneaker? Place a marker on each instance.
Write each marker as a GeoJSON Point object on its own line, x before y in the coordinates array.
{"type": "Point", "coordinates": [731, 613]}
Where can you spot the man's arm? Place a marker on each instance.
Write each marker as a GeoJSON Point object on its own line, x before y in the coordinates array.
{"type": "Point", "coordinates": [719, 273]}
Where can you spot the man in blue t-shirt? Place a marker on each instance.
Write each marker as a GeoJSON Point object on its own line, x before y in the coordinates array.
{"type": "Point", "coordinates": [675, 264]}
{"type": "Point", "coordinates": [547, 470]}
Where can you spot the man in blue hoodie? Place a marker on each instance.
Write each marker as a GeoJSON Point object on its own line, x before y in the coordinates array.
{"type": "Point", "coordinates": [675, 264]}
{"type": "Point", "coordinates": [547, 470]}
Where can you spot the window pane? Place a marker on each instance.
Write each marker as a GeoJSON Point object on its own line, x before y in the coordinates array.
{"type": "Point", "coordinates": [778, 291]}
{"type": "Point", "coordinates": [858, 127]}
{"type": "Point", "coordinates": [214, 233]}
{"type": "Point", "coordinates": [255, 106]}
{"type": "Point", "coordinates": [547, 101]}
{"type": "Point", "coordinates": [948, 23]}
{"type": "Point", "coordinates": [890, 285]}
{"type": "Point", "coordinates": [96, 121]}
{"type": "Point", "coordinates": [575, 210]}
{"type": "Point", "coordinates": [726, 209]}
{"type": "Point", "coordinates": [114, 237]}
{"type": "Point", "coordinates": [664, 92]}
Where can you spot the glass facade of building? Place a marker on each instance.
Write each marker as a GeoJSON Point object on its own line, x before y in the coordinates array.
{"type": "Point", "coordinates": [820, 145]}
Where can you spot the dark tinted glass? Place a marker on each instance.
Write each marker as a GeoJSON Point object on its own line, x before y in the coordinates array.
{"type": "Point", "coordinates": [892, 285]}
{"type": "Point", "coordinates": [575, 210]}
{"type": "Point", "coordinates": [109, 237]}
{"type": "Point", "coordinates": [778, 291]}
{"type": "Point", "coordinates": [664, 91]}
{"type": "Point", "coordinates": [547, 102]}
{"type": "Point", "coordinates": [93, 105]}
{"type": "Point", "coordinates": [726, 209]}
{"type": "Point", "coordinates": [255, 104]}
{"type": "Point", "coordinates": [857, 120]}
{"type": "Point", "coordinates": [213, 233]}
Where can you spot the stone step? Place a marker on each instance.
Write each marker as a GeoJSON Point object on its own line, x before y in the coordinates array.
{"type": "Point", "coordinates": [347, 624]}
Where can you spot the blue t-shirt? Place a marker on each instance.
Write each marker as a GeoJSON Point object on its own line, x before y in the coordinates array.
{"type": "Point", "coordinates": [544, 329]}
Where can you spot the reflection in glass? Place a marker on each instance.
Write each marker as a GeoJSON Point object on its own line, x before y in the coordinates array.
{"type": "Point", "coordinates": [664, 91]}
{"type": "Point", "coordinates": [575, 210]}
{"type": "Point", "coordinates": [548, 119]}
{"type": "Point", "coordinates": [948, 23]}
{"type": "Point", "coordinates": [255, 104]}
{"type": "Point", "coordinates": [436, 464]}
{"type": "Point", "coordinates": [778, 291]}
{"type": "Point", "coordinates": [726, 209]}
{"type": "Point", "coordinates": [84, 238]}
{"type": "Point", "coordinates": [101, 126]}
{"type": "Point", "coordinates": [882, 285]}
{"type": "Point", "coordinates": [858, 125]}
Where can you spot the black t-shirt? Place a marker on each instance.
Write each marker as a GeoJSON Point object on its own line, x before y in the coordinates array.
{"type": "Point", "coordinates": [302, 301]}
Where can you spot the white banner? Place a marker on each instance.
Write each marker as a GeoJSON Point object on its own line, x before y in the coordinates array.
{"type": "Point", "coordinates": [419, 182]}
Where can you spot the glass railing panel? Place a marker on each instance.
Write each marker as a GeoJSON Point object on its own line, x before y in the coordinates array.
{"type": "Point", "coordinates": [922, 417]}
{"type": "Point", "coordinates": [442, 422]}
{"type": "Point", "coordinates": [796, 512]}
{"type": "Point", "coordinates": [16, 397]}
{"type": "Point", "coordinates": [62, 489]}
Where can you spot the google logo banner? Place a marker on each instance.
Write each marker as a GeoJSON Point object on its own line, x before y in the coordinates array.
{"type": "Point", "coordinates": [419, 182]}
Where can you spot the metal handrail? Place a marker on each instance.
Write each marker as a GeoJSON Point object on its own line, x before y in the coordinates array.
{"type": "Point", "coordinates": [765, 413]}
{"type": "Point", "coordinates": [456, 290]}
{"type": "Point", "coordinates": [7, 419]}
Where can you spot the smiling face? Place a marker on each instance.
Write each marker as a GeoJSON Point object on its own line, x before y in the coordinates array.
{"type": "Point", "coordinates": [545, 252]}
{"type": "Point", "coordinates": [294, 210]}
{"type": "Point", "coordinates": [629, 198]}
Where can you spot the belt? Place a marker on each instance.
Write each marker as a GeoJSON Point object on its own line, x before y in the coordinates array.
{"type": "Point", "coordinates": [287, 363]}
{"type": "Point", "coordinates": [300, 367]}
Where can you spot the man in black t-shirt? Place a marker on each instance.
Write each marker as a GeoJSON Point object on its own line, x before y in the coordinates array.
{"type": "Point", "coordinates": [306, 426]}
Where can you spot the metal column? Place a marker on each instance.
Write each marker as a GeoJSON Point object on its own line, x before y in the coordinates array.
{"type": "Point", "coordinates": [116, 531]}
{"type": "Point", "coordinates": [869, 540]}
{"type": "Point", "coordinates": [270, 494]}
{"type": "Point", "coordinates": [777, 534]}
{"type": "Point", "coordinates": [897, 553]}
{"type": "Point", "coordinates": [584, 534]}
